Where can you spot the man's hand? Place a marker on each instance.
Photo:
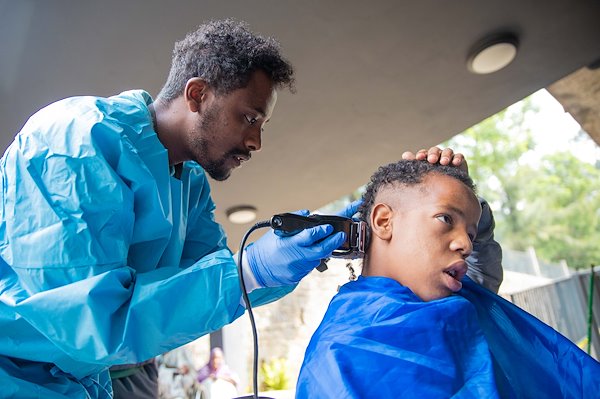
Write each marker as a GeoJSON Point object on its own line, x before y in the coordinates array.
{"type": "Point", "coordinates": [351, 209]}
{"type": "Point", "coordinates": [277, 261]}
{"type": "Point", "coordinates": [435, 155]}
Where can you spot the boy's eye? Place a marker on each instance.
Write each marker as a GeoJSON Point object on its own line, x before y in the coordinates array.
{"type": "Point", "coordinates": [445, 218]}
{"type": "Point", "coordinates": [250, 120]}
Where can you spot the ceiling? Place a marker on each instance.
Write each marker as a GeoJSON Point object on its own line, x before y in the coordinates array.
{"type": "Point", "coordinates": [579, 94]}
{"type": "Point", "coordinates": [373, 78]}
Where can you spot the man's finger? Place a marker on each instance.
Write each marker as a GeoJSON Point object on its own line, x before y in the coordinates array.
{"type": "Point", "coordinates": [446, 156]}
{"type": "Point", "coordinates": [351, 209]}
{"type": "Point", "coordinates": [460, 162]}
{"type": "Point", "coordinates": [433, 155]}
{"type": "Point", "coordinates": [324, 248]}
{"type": "Point", "coordinates": [308, 237]}
{"type": "Point", "coordinates": [421, 155]}
{"type": "Point", "coordinates": [408, 155]}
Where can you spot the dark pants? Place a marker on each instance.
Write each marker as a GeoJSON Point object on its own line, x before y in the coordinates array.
{"type": "Point", "coordinates": [143, 384]}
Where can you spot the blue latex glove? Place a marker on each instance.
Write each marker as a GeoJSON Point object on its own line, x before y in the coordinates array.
{"type": "Point", "coordinates": [276, 261]}
{"type": "Point", "coordinates": [351, 209]}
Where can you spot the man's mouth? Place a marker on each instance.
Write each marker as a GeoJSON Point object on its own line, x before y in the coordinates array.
{"type": "Point", "coordinates": [239, 158]}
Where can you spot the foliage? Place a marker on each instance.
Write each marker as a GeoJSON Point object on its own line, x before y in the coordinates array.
{"type": "Point", "coordinates": [552, 205]}
{"type": "Point", "coordinates": [275, 375]}
{"type": "Point", "coordinates": [561, 215]}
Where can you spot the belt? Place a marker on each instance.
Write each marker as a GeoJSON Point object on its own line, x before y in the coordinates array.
{"type": "Point", "coordinates": [125, 370]}
{"type": "Point", "coordinates": [122, 373]}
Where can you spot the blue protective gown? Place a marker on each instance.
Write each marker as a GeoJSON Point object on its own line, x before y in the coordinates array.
{"type": "Point", "coordinates": [379, 340]}
{"type": "Point", "coordinates": [105, 257]}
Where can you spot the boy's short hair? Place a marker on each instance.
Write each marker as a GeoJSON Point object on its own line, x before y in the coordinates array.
{"type": "Point", "coordinates": [406, 173]}
{"type": "Point", "coordinates": [225, 53]}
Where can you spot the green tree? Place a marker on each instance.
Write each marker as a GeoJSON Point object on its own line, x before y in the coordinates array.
{"type": "Point", "coordinates": [561, 212]}
{"type": "Point", "coordinates": [553, 206]}
{"type": "Point", "coordinates": [275, 375]}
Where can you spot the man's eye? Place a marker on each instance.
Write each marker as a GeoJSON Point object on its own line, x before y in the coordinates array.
{"type": "Point", "coordinates": [445, 219]}
{"type": "Point", "coordinates": [250, 120]}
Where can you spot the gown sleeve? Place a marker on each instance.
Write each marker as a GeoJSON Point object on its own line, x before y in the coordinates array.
{"type": "Point", "coordinates": [72, 206]}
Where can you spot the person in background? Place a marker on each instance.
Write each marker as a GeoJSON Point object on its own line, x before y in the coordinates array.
{"type": "Point", "coordinates": [216, 378]}
{"type": "Point", "coordinates": [176, 374]}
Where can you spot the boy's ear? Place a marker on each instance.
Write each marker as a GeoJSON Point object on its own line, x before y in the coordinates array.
{"type": "Point", "coordinates": [381, 221]}
{"type": "Point", "coordinates": [195, 94]}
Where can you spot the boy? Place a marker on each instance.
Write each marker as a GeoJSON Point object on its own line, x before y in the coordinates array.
{"type": "Point", "coordinates": [400, 330]}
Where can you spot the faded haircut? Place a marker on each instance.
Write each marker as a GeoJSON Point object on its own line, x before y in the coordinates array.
{"type": "Point", "coordinates": [406, 173]}
{"type": "Point", "coordinates": [225, 53]}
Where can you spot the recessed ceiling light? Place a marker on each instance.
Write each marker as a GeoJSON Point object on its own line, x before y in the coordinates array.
{"type": "Point", "coordinates": [493, 53]}
{"type": "Point", "coordinates": [241, 214]}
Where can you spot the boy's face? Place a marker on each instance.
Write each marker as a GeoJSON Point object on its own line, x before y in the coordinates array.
{"type": "Point", "coordinates": [433, 225]}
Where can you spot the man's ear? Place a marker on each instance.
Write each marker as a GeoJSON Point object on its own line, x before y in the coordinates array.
{"type": "Point", "coordinates": [195, 94]}
{"type": "Point", "coordinates": [381, 221]}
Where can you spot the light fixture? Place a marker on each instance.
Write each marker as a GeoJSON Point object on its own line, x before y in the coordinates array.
{"type": "Point", "coordinates": [493, 53]}
{"type": "Point", "coordinates": [241, 214]}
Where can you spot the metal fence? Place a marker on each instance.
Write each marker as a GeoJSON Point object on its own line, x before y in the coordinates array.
{"type": "Point", "coordinates": [527, 262]}
{"type": "Point", "coordinates": [564, 303]}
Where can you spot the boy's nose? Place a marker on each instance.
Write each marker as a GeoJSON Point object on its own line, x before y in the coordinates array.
{"type": "Point", "coordinates": [463, 244]}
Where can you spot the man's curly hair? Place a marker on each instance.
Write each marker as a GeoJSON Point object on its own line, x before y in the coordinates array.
{"type": "Point", "coordinates": [225, 53]}
{"type": "Point", "coordinates": [405, 173]}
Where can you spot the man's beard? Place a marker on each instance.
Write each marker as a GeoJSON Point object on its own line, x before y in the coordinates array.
{"type": "Point", "coordinates": [216, 168]}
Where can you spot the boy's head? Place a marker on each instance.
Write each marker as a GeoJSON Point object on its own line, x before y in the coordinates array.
{"type": "Point", "coordinates": [422, 221]}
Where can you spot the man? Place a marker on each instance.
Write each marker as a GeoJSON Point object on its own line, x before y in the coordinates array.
{"type": "Point", "coordinates": [110, 254]}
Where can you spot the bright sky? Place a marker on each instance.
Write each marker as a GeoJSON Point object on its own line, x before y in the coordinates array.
{"type": "Point", "coordinates": [554, 129]}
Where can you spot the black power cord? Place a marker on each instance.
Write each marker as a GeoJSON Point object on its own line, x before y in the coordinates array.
{"type": "Point", "coordinates": [257, 226]}
{"type": "Point", "coordinates": [290, 224]}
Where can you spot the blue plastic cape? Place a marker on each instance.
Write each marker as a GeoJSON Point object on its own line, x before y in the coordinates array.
{"type": "Point", "coordinates": [378, 340]}
{"type": "Point", "coordinates": [532, 360]}
{"type": "Point", "coordinates": [105, 257]}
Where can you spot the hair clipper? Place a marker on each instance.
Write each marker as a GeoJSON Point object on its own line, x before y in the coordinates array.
{"type": "Point", "coordinates": [353, 247]}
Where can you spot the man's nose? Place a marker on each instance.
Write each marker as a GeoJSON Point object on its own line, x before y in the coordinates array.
{"type": "Point", "coordinates": [253, 140]}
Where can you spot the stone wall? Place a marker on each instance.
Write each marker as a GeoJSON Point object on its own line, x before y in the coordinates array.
{"type": "Point", "coordinates": [286, 326]}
